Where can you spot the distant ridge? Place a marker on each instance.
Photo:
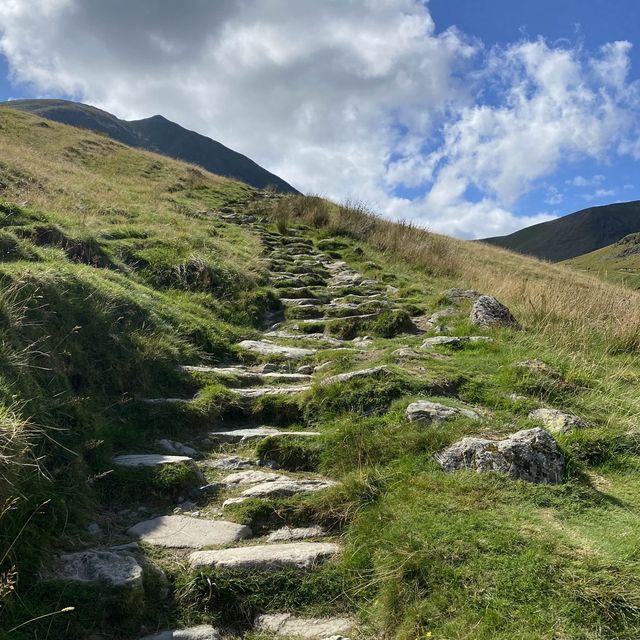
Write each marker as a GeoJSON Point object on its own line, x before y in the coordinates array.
{"type": "Point", "coordinates": [575, 234]}
{"type": "Point", "coordinates": [160, 135]}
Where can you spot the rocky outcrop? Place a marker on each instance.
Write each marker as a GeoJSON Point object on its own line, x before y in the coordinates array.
{"type": "Point", "coordinates": [557, 421]}
{"type": "Point", "coordinates": [488, 312]}
{"type": "Point", "coordinates": [530, 455]}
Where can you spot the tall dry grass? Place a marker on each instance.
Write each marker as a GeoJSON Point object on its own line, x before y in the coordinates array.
{"type": "Point", "coordinates": [567, 306]}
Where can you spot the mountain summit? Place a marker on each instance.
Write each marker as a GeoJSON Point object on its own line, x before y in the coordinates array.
{"type": "Point", "coordinates": [160, 135]}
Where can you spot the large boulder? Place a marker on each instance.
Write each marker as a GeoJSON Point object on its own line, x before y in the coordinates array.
{"type": "Point", "coordinates": [530, 455]}
{"type": "Point", "coordinates": [488, 312]}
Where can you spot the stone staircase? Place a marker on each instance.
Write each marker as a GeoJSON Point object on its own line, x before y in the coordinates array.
{"type": "Point", "coordinates": [316, 290]}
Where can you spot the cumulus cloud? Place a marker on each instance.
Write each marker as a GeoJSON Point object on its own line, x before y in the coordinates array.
{"type": "Point", "coordinates": [361, 99]}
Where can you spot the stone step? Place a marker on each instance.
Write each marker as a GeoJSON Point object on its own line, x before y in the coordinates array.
{"type": "Point", "coordinates": [300, 302]}
{"type": "Point", "coordinates": [252, 477]}
{"type": "Point", "coordinates": [247, 375]}
{"type": "Point", "coordinates": [266, 557]}
{"type": "Point", "coordinates": [453, 340]}
{"type": "Point", "coordinates": [290, 626]}
{"type": "Point", "coordinates": [228, 463]}
{"type": "Point", "coordinates": [288, 534]}
{"type": "Point", "coordinates": [260, 392]}
{"type": "Point", "coordinates": [201, 632]}
{"type": "Point", "coordinates": [286, 488]}
{"type": "Point", "coordinates": [186, 532]}
{"type": "Point", "coordinates": [241, 436]}
{"type": "Point", "coordinates": [150, 460]}
{"type": "Point", "coordinates": [288, 335]}
{"type": "Point", "coordinates": [372, 372]}
{"type": "Point", "coordinates": [265, 347]}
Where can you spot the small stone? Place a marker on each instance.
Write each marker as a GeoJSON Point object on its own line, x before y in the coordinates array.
{"type": "Point", "coordinates": [287, 534]}
{"type": "Point", "coordinates": [405, 353]}
{"type": "Point", "coordinates": [488, 312]}
{"type": "Point", "coordinates": [455, 295]}
{"type": "Point", "coordinates": [171, 446]}
{"type": "Point", "coordinates": [305, 369]}
{"type": "Point", "coordinates": [268, 367]}
{"type": "Point", "coordinates": [187, 532]}
{"type": "Point", "coordinates": [285, 624]}
{"type": "Point", "coordinates": [266, 557]}
{"type": "Point", "coordinates": [230, 463]}
{"type": "Point", "coordinates": [116, 570]}
{"type": "Point", "coordinates": [557, 421]}
{"type": "Point", "coordinates": [201, 632]}
{"type": "Point", "coordinates": [373, 372]}
{"type": "Point", "coordinates": [425, 412]}
{"type": "Point", "coordinates": [323, 367]}
{"type": "Point", "coordinates": [530, 455]}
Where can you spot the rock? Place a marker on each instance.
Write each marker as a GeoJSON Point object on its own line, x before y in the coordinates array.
{"type": "Point", "coordinates": [187, 532]}
{"type": "Point", "coordinates": [488, 312]}
{"type": "Point", "coordinates": [306, 370]}
{"type": "Point", "coordinates": [404, 353]}
{"type": "Point", "coordinates": [151, 460]}
{"type": "Point", "coordinates": [455, 295]}
{"type": "Point", "coordinates": [254, 433]}
{"type": "Point", "coordinates": [530, 455]}
{"type": "Point", "coordinates": [373, 372]}
{"type": "Point", "coordinates": [425, 412]}
{"type": "Point", "coordinates": [284, 488]}
{"type": "Point", "coordinates": [285, 624]}
{"type": "Point", "coordinates": [202, 632]}
{"type": "Point", "coordinates": [265, 347]}
{"type": "Point", "coordinates": [110, 568]}
{"type": "Point", "coordinates": [252, 477]}
{"type": "Point", "coordinates": [171, 446]}
{"type": "Point", "coordinates": [318, 337]}
{"type": "Point", "coordinates": [231, 501]}
{"type": "Point", "coordinates": [453, 340]}
{"type": "Point", "coordinates": [268, 367]}
{"type": "Point", "coordinates": [287, 534]}
{"type": "Point", "coordinates": [260, 392]}
{"type": "Point", "coordinates": [557, 421]}
{"type": "Point", "coordinates": [250, 377]}
{"type": "Point", "coordinates": [210, 488]}
{"type": "Point", "coordinates": [93, 529]}
{"type": "Point", "coordinates": [266, 557]}
{"type": "Point", "coordinates": [228, 463]}
{"type": "Point", "coordinates": [537, 366]}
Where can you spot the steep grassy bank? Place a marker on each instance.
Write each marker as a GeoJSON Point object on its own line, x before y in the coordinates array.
{"type": "Point", "coordinates": [120, 265]}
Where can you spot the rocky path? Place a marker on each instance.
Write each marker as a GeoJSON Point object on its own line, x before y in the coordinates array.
{"type": "Point", "coordinates": [323, 303]}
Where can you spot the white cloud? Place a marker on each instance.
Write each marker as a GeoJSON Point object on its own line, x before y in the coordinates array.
{"type": "Point", "coordinates": [581, 181]}
{"type": "Point", "coordinates": [599, 194]}
{"type": "Point", "coordinates": [362, 99]}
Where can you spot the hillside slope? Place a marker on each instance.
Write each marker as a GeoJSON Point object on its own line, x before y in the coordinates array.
{"type": "Point", "coordinates": [225, 408]}
{"type": "Point", "coordinates": [160, 135]}
{"type": "Point", "coordinates": [618, 262]}
{"type": "Point", "coordinates": [575, 234]}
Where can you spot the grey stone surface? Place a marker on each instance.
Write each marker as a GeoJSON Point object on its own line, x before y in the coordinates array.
{"type": "Point", "coordinates": [252, 477]}
{"type": "Point", "coordinates": [228, 463]}
{"type": "Point", "coordinates": [150, 460]}
{"type": "Point", "coordinates": [285, 624]}
{"type": "Point", "coordinates": [259, 392]}
{"type": "Point", "coordinates": [488, 312]}
{"type": "Point", "coordinates": [283, 488]}
{"type": "Point", "coordinates": [265, 347]}
{"type": "Point", "coordinates": [455, 295]}
{"type": "Point", "coordinates": [453, 340]}
{"type": "Point", "coordinates": [530, 455]}
{"type": "Point", "coordinates": [246, 375]}
{"type": "Point", "coordinates": [254, 433]}
{"type": "Point", "coordinates": [201, 632]}
{"type": "Point", "coordinates": [288, 534]}
{"type": "Point", "coordinates": [177, 448]}
{"type": "Point", "coordinates": [426, 412]}
{"type": "Point", "coordinates": [111, 568]}
{"type": "Point", "coordinates": [404, 353]}
{"type": "Point", "coordinates": [188, 532]}
{"type": "Point", "coordinates": [557, 421]}
{"type": "Point", "coordinates": [373, 372]}
{"type": "Point", "coordinates": [266, 557]}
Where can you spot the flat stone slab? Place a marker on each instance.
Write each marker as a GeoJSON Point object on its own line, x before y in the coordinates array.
{"type": "Point", "coordinates": [150, 460]}
{"type": "Point", "coordinates": [425, 412]}
{"type": "Point", "coordinates": [373, 372]}
{"type": "Point", "coordinates": [285, 624]}
{"type": "Point", "coordinates": [452, 340]}
{"type": "Point", "coordinates": [228, 463]}
{"type": "Point", "coordinates": [177, 448]}
{"type": "Point", "coordinates": [287, 534]}
{"type": "Point", "coordinates": [201, 632]}
{"type": "Point", "coordinates": [247, 375]}
{"type": "Point", "coordinates": [187, 532]}
{"type": "Point", "coordinates": [260, 392]}
{"type": "Point", "coordinates": [530, 455]}
{"type": "Point", "coordinates": [284, 488]}
{"type": "Point", "coordinates": [245, 435]}
{"type": "Point", "coordinates": [116, 570]}
{"type": "Point", "coordinates": [252, 477]}
{"type": "Point", "coordinates": [317, 337]}
{"type": "Point", "coordinates": [266, 557]}
{"type": "Point", "coordinates": [557, 421]}
{"type": "Point", "coordinates": [265, 347]}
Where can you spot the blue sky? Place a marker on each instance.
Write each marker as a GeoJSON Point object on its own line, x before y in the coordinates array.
{"type": "Point", "coordinates": [471, 117]}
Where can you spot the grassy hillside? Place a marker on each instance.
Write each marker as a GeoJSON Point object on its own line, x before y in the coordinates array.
{"type": "Point", "coordinates": [118, 265]}
{"type": "Point", "coordinates": [618, 262]}
{"type": "Point", "coordinates": [160, 135]}
{"type": "Point", "coordinates": [576, 234]}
